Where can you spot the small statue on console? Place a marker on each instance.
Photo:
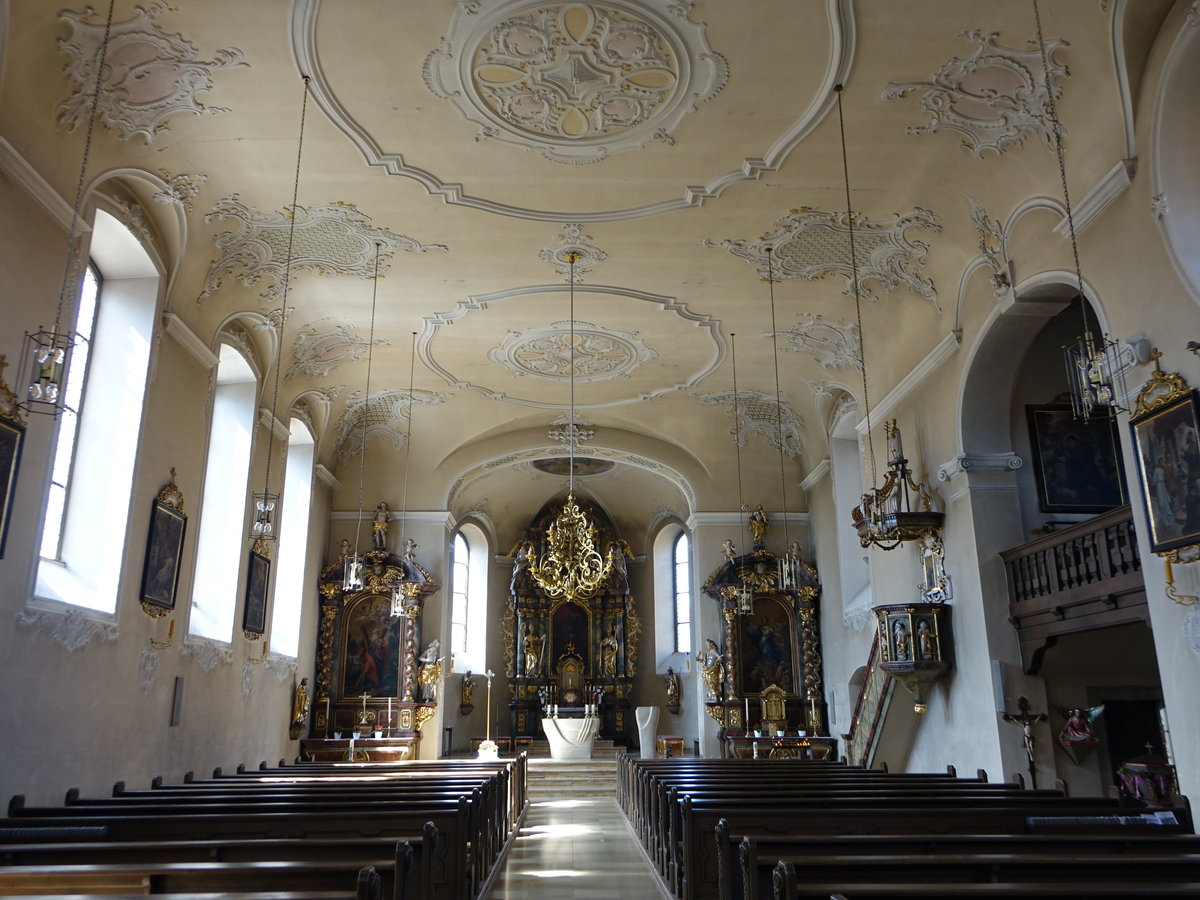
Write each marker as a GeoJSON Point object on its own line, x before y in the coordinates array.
{"type": "Point", "coordinates": [430, 672]}
{"type": "Point", "coordinates": [301, 703]}
{"type": "Point", "coordinates": [758, 526]}
{"type": "Point", "coordinates": [465, 706]}
{"type": "Point", "coordinates": [673, 689]}
{"type": "Point", "coordinates": [712, 669]}
{"type": "Point", "coordinates": [379, 527]}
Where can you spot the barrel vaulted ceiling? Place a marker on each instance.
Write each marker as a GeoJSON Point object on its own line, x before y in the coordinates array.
{"type": "Point", "coordinates": [477, 143]}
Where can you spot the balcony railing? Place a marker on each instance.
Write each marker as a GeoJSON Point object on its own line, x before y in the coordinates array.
{"type": "Point", "coordinates": [1084, 577]}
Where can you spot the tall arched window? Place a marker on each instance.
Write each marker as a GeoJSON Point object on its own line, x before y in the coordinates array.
{"type": "Point", "coordinates": [682, 589]}
{"type": "Point", "coordinates": [287, 601]}
{"type": "Point", "coordinates": [223, 507]}
{"type": "Point", "coordinates": [468, 591]}
{"type": "Point", "coordinates": [96, 443]}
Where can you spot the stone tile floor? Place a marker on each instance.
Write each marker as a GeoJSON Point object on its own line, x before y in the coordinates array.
{"type": "Point", "coordinates": [575, 850]}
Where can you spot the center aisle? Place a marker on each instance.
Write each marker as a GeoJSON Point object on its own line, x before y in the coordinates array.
{"type": "Point", "coordinates": [574, 848]}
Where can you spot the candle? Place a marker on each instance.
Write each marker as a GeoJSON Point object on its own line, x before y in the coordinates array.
{"type": "Point", "coordinates": [389, 713]}
{"type": "Point", "coordinates": [746, 721]}
{"type": "Point", "coordinates": [171, 630]}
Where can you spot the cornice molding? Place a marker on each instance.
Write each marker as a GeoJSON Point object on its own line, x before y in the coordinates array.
{"type": "Point", "coordinates": [267, 420]}
{"type": "Point", "coordinates": [187, 339]}
{"type": "Point", "coordinates": [30, 180]}
{"type": "Point", "coordinates": [415, 517]}
{"type": "Point", "coordinates": [979, 462]}
{"type": "Point", "coordinates": [326, 477]}
{"type": "Point", "coordinates": [706, 519]}
{"type": "Point", "coordinates": [1100, 197]}
{"type": "Point", "coordinates": [943, 351]}
{"type": "Point", "coordinates": [816, 475]}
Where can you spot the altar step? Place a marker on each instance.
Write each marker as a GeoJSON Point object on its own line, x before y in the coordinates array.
{"type": "Point", "coordinates": [601, 749]}
{"type": "Point", "coordinates": [553, 779]}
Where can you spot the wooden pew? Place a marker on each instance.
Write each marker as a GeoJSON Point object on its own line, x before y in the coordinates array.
{"type": "Point", "coordinates": [1072, 885]}
{"type": "Point", "coordinates": [751, 877]}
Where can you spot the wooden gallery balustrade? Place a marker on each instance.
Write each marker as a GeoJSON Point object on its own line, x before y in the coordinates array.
{"type": "Point", "coordinates": [1084, 577]}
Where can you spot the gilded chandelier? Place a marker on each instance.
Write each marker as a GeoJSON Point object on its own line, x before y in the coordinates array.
{"type": "Point", "coordinates": [571, 567]}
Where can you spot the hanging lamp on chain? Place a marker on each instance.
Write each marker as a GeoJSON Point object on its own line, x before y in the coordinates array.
{"type": "Point", "coordinates": [46, 354]}
{"type": "Point", "coordinates": [264, 502]}
{"type": "Point", "coordinates": [1094, 370]}
{"type": "Point", "coordinates": [404, 591]}
{"type": "Point", "coordinates": [900, 509]}
{"type": "Point", "coordinates": [571, 566]}
{"type": "Point", "coordinates": [352, 566]}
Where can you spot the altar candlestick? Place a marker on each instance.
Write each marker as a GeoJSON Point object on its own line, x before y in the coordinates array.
{"type": "Point", "coordinates": [746, 721]}
{"type": "Point", "coordinates": [389, 713]}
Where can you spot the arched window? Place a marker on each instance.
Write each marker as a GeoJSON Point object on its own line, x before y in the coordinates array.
{"type": "Point", "coordinates": [223, 507]}
{"type": "Point", "coordinates": [468, 591]}
{"type": "Point", "coordinates": [96, 442]}
{"type": "Point", "coordinates": [682, 590]}
{"type": "Point", "coordinates": [287, 601]}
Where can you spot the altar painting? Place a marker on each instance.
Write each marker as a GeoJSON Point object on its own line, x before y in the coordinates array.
{"type": "Point", "coordinates": [372, 649]}
{"type": "Point", "coordinates": [570, 628]}
{"type": "Point", "coordinates": [767, 647]}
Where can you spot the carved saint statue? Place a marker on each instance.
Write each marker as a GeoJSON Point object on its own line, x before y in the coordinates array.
{"type": "Point", "coordinates": [608, 653]}
{"type": "Point", "coordinates": [673, 689]}
{"type": "Point", "coordinates": [379, 527]}
{"type": "Point", "coordinates": [345, 549]}
{"type": "Point", "coordinates": [520, 573]}
{"type": "Point", "coordinates": [533, 652]}
{"type": "Point", "coordinates": [301, 703]}
{"type": "Point", "coordinates": [430, 672]}
{"type": "Point", "coordinates": [468, 685]}
{"type": "Point", "coordinates": [712, 669]}
{"type": "Point", "coordinates": [900, 641]}
{"type": "Point", "coordinates": [729, 548]}
{"type": "Point", "coordinates": [758, 525]}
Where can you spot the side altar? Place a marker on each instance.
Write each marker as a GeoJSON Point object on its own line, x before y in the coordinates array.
{"type": "Point", "coordinates": [372, 692]}
{"type": "Point", "coordinates": [571, 645]}
{"type": "Point", "coordinates": [765, 686]}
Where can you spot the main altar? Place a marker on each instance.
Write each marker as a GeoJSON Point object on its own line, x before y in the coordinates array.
{"type": "Point", "coordinates": [572, 653]}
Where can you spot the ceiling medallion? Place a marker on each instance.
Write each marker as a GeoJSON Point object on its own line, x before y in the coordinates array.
{"type": "Point", "coordinates": [572, 240]}
{"type": "Point", "coordinates": [995, 98]}
{"type": "Point", "coordinates": [576, 81]}
{"type": "Point", "coordinates": [811, 244]}
{"type": "Point", "coordinates": [555, 353]}
{"type": "Point", "coordinates": [151, 75]}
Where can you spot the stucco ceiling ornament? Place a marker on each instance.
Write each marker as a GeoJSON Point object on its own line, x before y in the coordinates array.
{"type": "Point", "coordinates": [995, 98]}
{"type": "Point", "coordinates": [151, 75]}
{"type": "Point", "coordinates": [316, 353]}
{"type": "Point", "coordinates": [754, 412]}
{"type": "Point", "coordinates": [386, 415]}
{"type": "Point", "coordinates": [811, 244]}
{"type": "Point", "coordinates": [577, 81]}
{"type": "Point", "coordinates": [181, 188]}
{"type": "Point", "coordinates": [821, 390]}
{"type": "Point", "coordinates": [273, 320]}
{"type": "Point", "coordinates": [991, 246]}
{"type": "Point", "coordinates": [546, 352]}
{"type": "Point", "coordinates": [569, 431]}
{"type": "Point", "coordinates": [130, 214]}
{"type": "Point", "coordinates": [336, 239]}
{"type": "Point", "coordinates": [572, 240]}
{"type": "Point", "coordinates": [834, 344]}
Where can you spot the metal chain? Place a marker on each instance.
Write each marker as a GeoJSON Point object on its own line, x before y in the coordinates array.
{"type": "Point", "coordinates": [287, 271]}
{"type": "Point", "coordinates": [778, 396]}
{"type": "Point", "coordinates": [362, 431]}
{"type": "Point", "coordinates": [862, 343]}
{"type": "Point", "coordinates": [412, 368]}
{"type": "Point", "coordinates": [87, 153]}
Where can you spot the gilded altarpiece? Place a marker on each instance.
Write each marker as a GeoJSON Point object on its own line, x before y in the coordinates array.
{"type": "Point", "coordinates": [571, 653]}
{"type": "Point", "coordinates": [771, 655]}
{"type": "Point", "coordinates": [367, 665]}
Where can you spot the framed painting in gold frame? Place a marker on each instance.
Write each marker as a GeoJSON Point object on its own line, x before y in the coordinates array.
{"type": "Point", "coordinates": [1166, 440]}
{"type": "Point", "coordinates": [12, 437]}
{"type": "Point", "coordinates": [258, 578]}
{"type": "Point", "coordinates": [164, 548]}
